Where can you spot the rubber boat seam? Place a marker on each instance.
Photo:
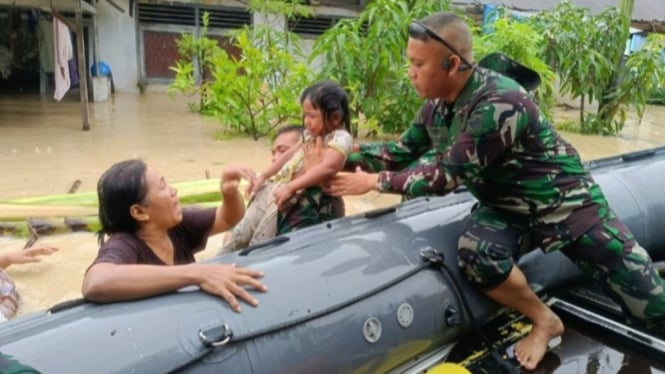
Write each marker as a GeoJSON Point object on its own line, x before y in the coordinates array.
{"type": "Point", "coordinates": [410, 273]}
{"type": "Point", "coordinates": [625, 158]}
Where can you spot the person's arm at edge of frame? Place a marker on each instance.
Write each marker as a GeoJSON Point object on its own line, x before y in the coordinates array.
{"type": "Point", "coordinates": [25, 256]}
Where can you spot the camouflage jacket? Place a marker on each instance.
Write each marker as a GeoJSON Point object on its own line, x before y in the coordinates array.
{"type": "Point", "coordinates": [494, 140]}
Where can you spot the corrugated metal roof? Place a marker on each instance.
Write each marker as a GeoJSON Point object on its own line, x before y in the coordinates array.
{"type": "Point", "coordinates": [643, 10]}
{"type": "Point", "coordinates": [61, 5]}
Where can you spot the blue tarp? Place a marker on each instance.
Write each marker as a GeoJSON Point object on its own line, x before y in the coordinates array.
{"type": "Point", "coordinates": [492, 12]}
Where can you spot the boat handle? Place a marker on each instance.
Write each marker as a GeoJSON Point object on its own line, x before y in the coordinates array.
{"type": "Point", "coordinates": [226, 336]}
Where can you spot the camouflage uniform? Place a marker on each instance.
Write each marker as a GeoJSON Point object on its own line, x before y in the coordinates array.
{"type": "Point", "coordinates": [263, 221]}
{"type": "Point", "coordinates": [308, 207]}
{"type": "Point", "coordinates": [532, 188]}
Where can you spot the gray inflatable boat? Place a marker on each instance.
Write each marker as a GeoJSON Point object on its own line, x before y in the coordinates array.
{"type": "Point", "coordinates": [371, 293]}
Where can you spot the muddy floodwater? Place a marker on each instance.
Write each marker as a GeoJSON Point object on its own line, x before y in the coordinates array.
{"type": "Point", "coordinates": [43, 151]}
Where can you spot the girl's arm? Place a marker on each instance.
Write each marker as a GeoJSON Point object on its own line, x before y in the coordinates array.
{"type": "Point", "coordinates": [280, 162]}
{"type": "Point", "coordinates": [332, 162]}
{"type": "Point", "coordinates": [274, 168]}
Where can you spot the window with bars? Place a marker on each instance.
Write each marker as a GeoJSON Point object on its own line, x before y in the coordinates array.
{"type": "Point", "coordinates": [312, 25]}
{"type": "Point", "coordinates": [185, 15]}
{"type": "Point", "coordinates": [162, 24]}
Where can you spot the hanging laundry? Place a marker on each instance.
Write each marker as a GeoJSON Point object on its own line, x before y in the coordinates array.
{"type": "Point", "coordinates": [64, 52]}
{"type": "Point", "coordinates": [73, 66]}
{"type": "Point", "coordinates": [46, 43]}
{"type": "Point", "coordinates": [73, 72]}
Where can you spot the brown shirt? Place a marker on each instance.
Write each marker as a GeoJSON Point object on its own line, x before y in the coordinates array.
{"type": "Point", "coordinates": [188, 237]}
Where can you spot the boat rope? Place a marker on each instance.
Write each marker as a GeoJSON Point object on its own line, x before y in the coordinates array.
{"type": "Point", "coordinates": [435, 259]}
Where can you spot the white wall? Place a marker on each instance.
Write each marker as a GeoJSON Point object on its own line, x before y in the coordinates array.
{"type": "Point", "coordinates": [118, 40]}
{"type": "Point", "coordinates": [118, 44]}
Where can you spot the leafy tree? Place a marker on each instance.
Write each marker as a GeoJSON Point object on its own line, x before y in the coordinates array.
{"type": "Point", "coordinates": [642, 75]}
{"type": "Point", "coordinates": [259, 90]}
{"type": "Point", "coordinates": [366, 55]}
{"type": "Point", "coordinates": [195, 61]}
{"type": "Point", "coordinates": [522, 42]}
{"type": "Point", "coordinates": [587, 52]}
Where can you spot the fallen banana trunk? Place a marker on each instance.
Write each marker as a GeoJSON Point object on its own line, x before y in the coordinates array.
{"type": "Point", "coordinates": [14, 212]}
{"type": "Point", "coordinates": [189, 192]}
{"type": "Point", "coordinates": [49, 226]}
{"type": "Point", "coordinates": [16, 220]}
{"type": "Point", "coordinates": [200, 192]}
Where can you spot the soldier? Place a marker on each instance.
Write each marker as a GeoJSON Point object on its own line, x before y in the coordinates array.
{"type": "Point", "coordinates": [482, 129]}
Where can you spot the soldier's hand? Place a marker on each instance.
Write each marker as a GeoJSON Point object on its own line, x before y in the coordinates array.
{"type": "Point", "coordinates": [356, 183]}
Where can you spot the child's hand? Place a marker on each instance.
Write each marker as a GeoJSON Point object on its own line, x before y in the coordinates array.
{"type": "Point", "coordinates": [255, 185]}
{"type": "Point", "coordinates": [282, 194]}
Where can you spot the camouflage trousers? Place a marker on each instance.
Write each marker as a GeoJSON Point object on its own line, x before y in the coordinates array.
{"type": "Point", "coordinates": [263, 221]}
{"type": "Point", "coordinates": [309, 207]}
{"type": "Point", "coordinates": [8, 365]}
{"type": "Point", "coordinates": [607, 253]}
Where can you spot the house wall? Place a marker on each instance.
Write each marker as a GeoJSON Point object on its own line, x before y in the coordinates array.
{"type": "Point", "coordinates": [119, 44]}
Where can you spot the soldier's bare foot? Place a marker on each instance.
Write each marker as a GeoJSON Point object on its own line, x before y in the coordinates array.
{"type": "Point", "coordinates": [530, 350]}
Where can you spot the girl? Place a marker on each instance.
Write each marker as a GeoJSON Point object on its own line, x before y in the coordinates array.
{"type": "Point", "coordinates": [297, 200]}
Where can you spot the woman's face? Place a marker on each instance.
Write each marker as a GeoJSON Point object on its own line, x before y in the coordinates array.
{"type": "Point", "coordinates": [161, 205]}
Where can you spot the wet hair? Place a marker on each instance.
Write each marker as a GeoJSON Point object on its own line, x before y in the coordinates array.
{"type": "Point", "coordinates": [331, 99]}
{"type": "Point", "coordinates": [120, 187]}
{"type": "Point", "coordinates": [289, 128]}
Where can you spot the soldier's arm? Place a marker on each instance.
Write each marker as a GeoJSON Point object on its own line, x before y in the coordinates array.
{"type": "Point", "coordinates": [393, 155]}
{"type": "Point", "coordinates": [491, 127]}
